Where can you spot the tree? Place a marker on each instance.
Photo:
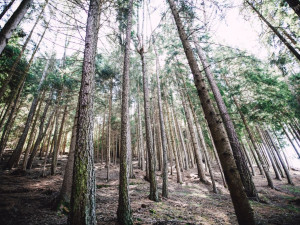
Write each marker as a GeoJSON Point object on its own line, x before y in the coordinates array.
{"type": "Point", "coordinates": [124, 209]}
{"type": "Point", "coordinates": [83, 202]}
{"type": "Point", "coordinates": [295, 5]}
{"type": "Point", "coordinates": [241, 204]}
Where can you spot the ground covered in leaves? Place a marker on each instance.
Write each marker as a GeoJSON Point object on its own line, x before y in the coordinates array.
{"type": "Point", "coordinates": [26, 198]}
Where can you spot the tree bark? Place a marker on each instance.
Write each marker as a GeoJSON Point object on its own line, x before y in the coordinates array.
{"type": "Point", "coordinates": [83, 199]}
{"type": "Point", "coordinates": [149, 140]}
{"type": "Point", "coordinates": [109, 141]}
{"type": "Point", "coordinates": [13, 22]}
{"type": "Point", "coordinates": [295, 5]}
{"type": "Point", "coordinates": [228, 124]}
{"type": "Point", "coordinates": [240, 201]}
{"type": "Point", "coordinates": [124, 214]}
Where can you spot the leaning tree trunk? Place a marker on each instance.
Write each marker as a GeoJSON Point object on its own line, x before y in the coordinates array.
{"type": "Point", "coordinates": [16, 62]}
{"type": "Point", "coordinates": [295, 5]}
{"type": "Point", "coordinates": [276, 32]}
{"type": "Point", "coordinates": [83, 199]}
{"type": "Point", "coordinates": [7, 7]}
{"type": "Point", "coordinates": [13, 22]}
{"type": "Point", "coordinates": [18, 150]}
{"type": "Point", "coordinates": [124, 213]}
{"type": "Point", "coordinates": [240, 201]}
{"type": "Point", "coordinates": [228, 124]}
{"type": "Point", "coordinates": [251, 137]}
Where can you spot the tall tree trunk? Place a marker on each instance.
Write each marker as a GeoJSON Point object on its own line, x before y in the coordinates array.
{"type": "Point", "coordinates": [228, 124]}
{"type": "Point", "coordinates": [109, 141]}
{"type": "Point", "coordinates": [240, 201]}
{"type": "Point", "coordinates": [124, 213]}
{"type": "Point", "coordinates": [7, 7]}
{"type": "Point", "coordinates": [8, 29]}
{"type": "Point", "coordinates": [276, 32]}
{"type": "Point", "coordinates": [83, 199]}
{"type": "Point", "coordinates": [295, 5]}
{"type": "Point", "coordinates": [18, 150]}
{"type": "Point", "coordinates": [149, 140]}
{"type": "Point", "coordinates": [162, 129]}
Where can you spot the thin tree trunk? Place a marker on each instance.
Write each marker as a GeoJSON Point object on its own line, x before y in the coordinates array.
{"type": "Point", "coordinates": [288, 136]}
{"type": "Point", "coordinates": [8, 29]}
{"type": "Point", "coordinates": [7, 7]}
{"type": "Point", "coordinates": [276, 32]}
{"type": "Point", "coordinates": [109, 141]}
{"type": "Point", "coordinates": [149, 140]}
{"type": "Point", "coordinates": [124, 213]}
{"type": "Point", "coordinates": [240, 201]}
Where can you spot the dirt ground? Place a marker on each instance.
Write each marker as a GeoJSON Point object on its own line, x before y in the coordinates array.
{"type": "Point", "coordinates": [26, 198]}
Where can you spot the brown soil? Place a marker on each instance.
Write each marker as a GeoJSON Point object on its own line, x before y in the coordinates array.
{"type": "Point", "coordinates": [26, 198]}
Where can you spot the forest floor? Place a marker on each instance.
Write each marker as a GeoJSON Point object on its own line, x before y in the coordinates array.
{"type": "Point", "coordinates": [26, 198]}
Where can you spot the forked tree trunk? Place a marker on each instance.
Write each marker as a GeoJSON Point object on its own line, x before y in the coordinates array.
{"type": "Point", "coordinates": [124, 214]}
{"type": "Point", "coordinates": [240, 201]}
{"type": "Point", "coordinates": [83, 198]}
{"type": "Point", "coordinates": [8, 29]}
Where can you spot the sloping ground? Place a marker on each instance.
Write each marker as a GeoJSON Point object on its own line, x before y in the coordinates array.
{"type": "Point", "coordinates": [26, 199]}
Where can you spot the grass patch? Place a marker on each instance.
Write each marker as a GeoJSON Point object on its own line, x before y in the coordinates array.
{"type": "Point", "coordinates": [99, 186]}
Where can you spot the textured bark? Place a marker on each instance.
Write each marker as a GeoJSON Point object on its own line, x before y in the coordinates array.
{"type": "Point", "coordinates": [57, 144]}
{"type": "Point", "coordinates": [8, 29]}
{"type": "Point", "coordinates": [16, 62]}
{"type": "Point", "coordinates": [295, 5]}
{"type": "Point", "coordinates": [149, 140]}
{"type": "Point", "coordinates": [7, 7]}
{"type": "Point", "coordinates": [240, 201]}
{"type": "Point", "coordinates": [228, 124]}
{"type": "Point", "coordinates": [124, 213]}
{"type": "Point", "coordinates": [18, 150]}
{"type": "Point", "coordinates": [276, 32]}
{"type": "Point", "coordinates": [83, 199]}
